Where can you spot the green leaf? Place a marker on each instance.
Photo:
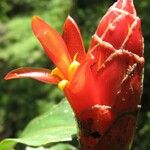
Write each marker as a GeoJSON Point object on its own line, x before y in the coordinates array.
{"type": "Point", "coordinates": [60, 146]}
{"type": "Point", "coordinates": [58, 124]}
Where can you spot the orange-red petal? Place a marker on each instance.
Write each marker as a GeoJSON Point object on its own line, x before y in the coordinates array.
{"type": "Point", "coordinates": [41, 74]}
{"type": "Point", "coordinates": [73, 39]}
{"type": "Point", "coordinates": [52, 43]}
{"type": "Point", "coordinates": [82, 92]}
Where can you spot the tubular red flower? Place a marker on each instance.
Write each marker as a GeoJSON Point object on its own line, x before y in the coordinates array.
{"type": "Point", "coordinates": [116, 48]}
{"type": "Point", "coordinates": [104, 85]}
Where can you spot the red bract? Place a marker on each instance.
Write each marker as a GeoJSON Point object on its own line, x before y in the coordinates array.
{"type": "Point", "coordinates": [104, 85]}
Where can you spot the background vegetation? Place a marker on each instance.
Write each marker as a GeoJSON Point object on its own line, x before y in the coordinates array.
{"type": "Point", "coordinates": [22, 100]}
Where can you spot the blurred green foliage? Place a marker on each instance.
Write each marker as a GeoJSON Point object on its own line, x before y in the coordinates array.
{"type": "Point", "coordinates": [24, 99]}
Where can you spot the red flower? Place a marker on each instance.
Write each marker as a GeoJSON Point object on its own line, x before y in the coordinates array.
{"type": "Point", "coordinates": [108, 77]}
{"type": "Point", "coordinates": [115, 53]}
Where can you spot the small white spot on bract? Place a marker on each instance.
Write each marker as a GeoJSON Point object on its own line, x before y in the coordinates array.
{"type": "Point", "coordinates": [119, 92]}
{"type": "Point", "coordinates": [112, 28]}
{"type": "Point", "coordinates": [123, 99]}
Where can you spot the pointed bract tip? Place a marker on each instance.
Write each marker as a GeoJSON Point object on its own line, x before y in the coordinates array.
{"type": "Point", "coordinates": [39, 25]}
{"type": "Point", "coordinates": [10, 76]}
{"type": "Point", "coordinates": [35, 19]}
{"type": "Point", "coordinates": [126, 5]}
{"type": "Point", "coordinates": [69, 18]}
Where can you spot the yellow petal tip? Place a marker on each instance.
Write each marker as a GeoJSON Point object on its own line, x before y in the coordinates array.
{"type": "Point", "coordinates": [72, 68]}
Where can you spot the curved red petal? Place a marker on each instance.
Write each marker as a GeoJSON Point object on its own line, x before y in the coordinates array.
{"type": "Point", "coordinates": [81, 91]}
{"type": "Point", "coordinates": [73, 39]}
{"type": "Point", "coordinates": [41, 74]}
{"type": "Point", "coordinates": [52, 43]}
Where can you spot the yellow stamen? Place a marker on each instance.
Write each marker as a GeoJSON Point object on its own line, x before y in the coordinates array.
{"type": "Point", "coordinates": [75, 56]}
{"type": "Point", "coordinates": [57, 72]}
{"type": "Point", "coordinates": [72, 68]}
{"type": "Point", "coordinates": [62, 84]}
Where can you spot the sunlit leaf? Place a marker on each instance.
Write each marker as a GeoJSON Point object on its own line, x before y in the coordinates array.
{"type": "Point", "coordinates": [58, 124]}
